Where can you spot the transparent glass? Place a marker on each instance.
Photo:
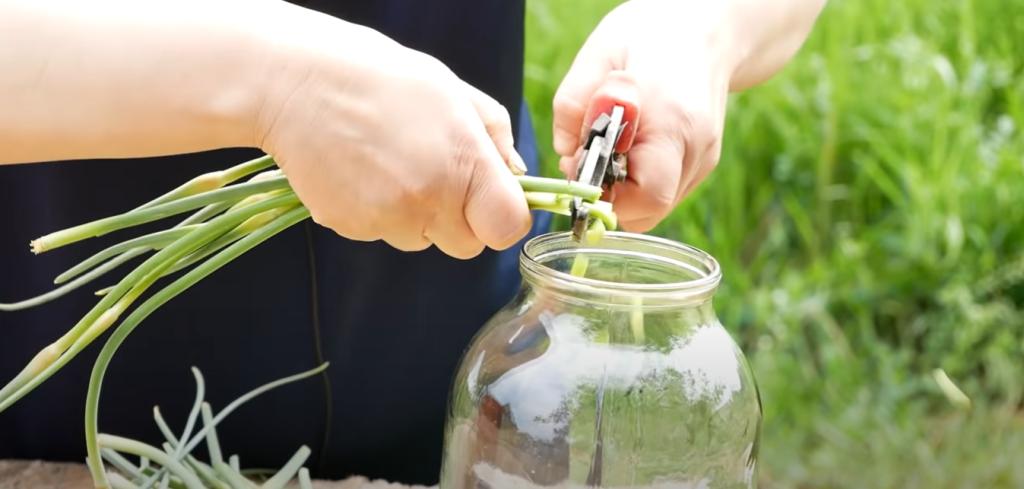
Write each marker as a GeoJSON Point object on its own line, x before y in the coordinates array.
{"type": "Point", "coordinates": [621, 378]}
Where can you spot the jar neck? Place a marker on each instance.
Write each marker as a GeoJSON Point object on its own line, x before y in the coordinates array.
{"type": "Point", "coordinates": [622, 270]}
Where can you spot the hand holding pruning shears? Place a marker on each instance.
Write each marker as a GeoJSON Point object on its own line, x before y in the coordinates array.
{"type": "Point", "coordinates": [671, 65]}
{"type": "Point", "coordinates": [673, 86]}
{"type": "Point", "coordinates": [601, 159]}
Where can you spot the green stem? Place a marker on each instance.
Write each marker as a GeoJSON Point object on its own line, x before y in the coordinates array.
{"type": "Point", "coordinates": [593, 236]}
{"type": "Point", "coordinates": [205, 472]}
{"type": "Point", "coordinates": [101, 316]}
{"type": "Point", "coordinates": [250, 395]}
{"type": "Point", "coordinates": [158, 299]}
{"type": "Point", "coordinates": [603, 211]}
{"type": "Point", "coordinates": [235, 234]}
{"type": "Point", "coordinates": [553, 185]}
{"type": "Point", "coordinates": [236, 480]}
{"type": "Point", "coordinates": [547, 201]}
{"type": "Point", "coordinates": [212, 247]}
{"type": "Point", "coordinates": [157, 212]}
{"type": "Point", "coordinates": [200, 216]}
{"type": "Point", "coordinates": [287, 473]}
{"type": "Point", "coordinates": [143, 450]}
{"type": "Point", "coordinates": [121, 463]}
{"type": "Point", "coordinates": [147, 242]}
{"type": "Point", "coordinates": [243, 170]}
{"type": "Point", "coordinates": [212, 180]}
{"type": "Point", "coordinates": [206, 213]}
{"type": "Point", "coordinates": [212, 443]}
{"type": "Point", "coordinates": [304, 479]}
{"type": "Point", "coordinates": [164, 428]}
{"type": "Point", "coordinates": [636, 321]}
{"type": "Point", "coordinates": [225, 412]}
{"type": "Point", "coordinates": [74, 284]}
{"type": "Point", "coordinates": [193, 414]}
{"type": "Point", "coordinates": [119, 482]}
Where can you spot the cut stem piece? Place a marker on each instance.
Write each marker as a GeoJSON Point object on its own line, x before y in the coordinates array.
{"type": "Point", "coordinates": [589, 193]}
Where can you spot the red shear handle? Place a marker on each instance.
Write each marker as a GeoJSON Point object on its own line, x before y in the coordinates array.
{"type": "Point", "coordinates": [618, 88]}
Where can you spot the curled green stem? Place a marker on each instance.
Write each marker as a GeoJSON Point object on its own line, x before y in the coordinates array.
{"type": "Point", "coordinates": [154, 302]}
{"type": "Point", "coordinates": [153, 453]}
{"type": "Point", "coordinates": [289, 470]}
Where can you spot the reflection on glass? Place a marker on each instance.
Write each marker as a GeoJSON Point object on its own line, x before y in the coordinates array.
{"type": "Point", "coordinates": [624, 378]}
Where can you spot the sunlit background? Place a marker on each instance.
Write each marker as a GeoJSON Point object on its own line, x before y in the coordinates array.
{"type": "Point", "coordinates": [868, 212]}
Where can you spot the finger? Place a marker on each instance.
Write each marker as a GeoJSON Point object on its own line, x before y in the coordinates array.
{"type": "Point", "coordinates": [408, 242]}
{"type": "Point", "coordinates": [640, 225]}
{"type": "Point", "coordinates": [570, 103]}
{"type": "Point", "coordinates": [568, 164]}
{"type": "Point", "coordinates": [691, 165]}
{"type": "Point", "coordinates": [653, 179]}
{"type": "Point", "coordinates": [365, 230]}
{"type": "Point", "coordinates": [618, 88]}
{"type": "Point", "coordinates": [452, 235]}
{"type": "Point", "coordinates": [495, 206]}
{"type": "Point", "coordinates": [405, 229]}
{"type": "Point", "coordinates": [499, 127]}
{"type": "Point", "coordinates": [708, 162]}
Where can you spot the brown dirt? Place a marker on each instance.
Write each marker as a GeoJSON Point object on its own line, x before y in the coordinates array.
{"type": "Point", "coordinates": [33, 474]}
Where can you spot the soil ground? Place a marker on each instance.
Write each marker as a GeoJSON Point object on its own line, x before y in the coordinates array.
{"type": "Point", "coordinates": [29, 474]}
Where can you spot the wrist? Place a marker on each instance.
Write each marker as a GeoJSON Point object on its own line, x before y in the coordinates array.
{"type": "Point", "coordinates": [306, 48]}
{"type": "Point", "coordinates": [699, 39]}
{"type": "Point", "coordinates": [232, 42]}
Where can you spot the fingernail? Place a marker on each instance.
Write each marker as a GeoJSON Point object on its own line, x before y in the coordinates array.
{"type": "Point", "coordinates": [518, 165]}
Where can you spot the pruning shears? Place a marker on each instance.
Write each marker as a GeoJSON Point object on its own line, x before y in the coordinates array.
{"type": "Point", "coordinates": [601, 163]}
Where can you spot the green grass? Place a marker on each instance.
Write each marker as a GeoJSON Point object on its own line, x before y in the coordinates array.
{"type": "Point", "coordinates": [868, 213]}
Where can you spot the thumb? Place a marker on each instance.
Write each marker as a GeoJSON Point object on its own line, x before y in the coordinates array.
{"type": "Point", "coordinates": [495, 206]}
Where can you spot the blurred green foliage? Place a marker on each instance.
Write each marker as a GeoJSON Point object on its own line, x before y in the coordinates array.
{"type": "Point", "coordinates": [868, 212]}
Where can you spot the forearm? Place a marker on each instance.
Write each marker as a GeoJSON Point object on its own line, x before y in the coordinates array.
{"type": "Point", "coordinates": [766, 35]}
{"type": "Point", "coordinates": [122, 78]}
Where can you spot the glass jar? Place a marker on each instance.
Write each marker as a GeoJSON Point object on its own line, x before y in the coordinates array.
{"type": "Point", "coordinates": [621, 378]}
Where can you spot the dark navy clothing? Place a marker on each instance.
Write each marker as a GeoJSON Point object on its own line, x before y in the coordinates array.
{"type": "Point", "coordinates": [392, 324]}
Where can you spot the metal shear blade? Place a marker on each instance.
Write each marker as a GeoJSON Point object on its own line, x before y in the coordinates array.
{"type": "Point", "coordinates": [598, 165]}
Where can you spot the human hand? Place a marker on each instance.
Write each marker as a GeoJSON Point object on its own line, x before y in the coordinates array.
{"type": "Point", "coordinates": [676, 69]}
{"type": "Point", "coordinates": [383, 142]}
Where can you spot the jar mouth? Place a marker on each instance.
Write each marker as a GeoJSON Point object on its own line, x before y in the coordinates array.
{"type": "Point", "coordinates": [622, 263]}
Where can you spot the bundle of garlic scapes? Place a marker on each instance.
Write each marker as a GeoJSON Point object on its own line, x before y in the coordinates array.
{"type": "Point", "coordinates": [228, 219]}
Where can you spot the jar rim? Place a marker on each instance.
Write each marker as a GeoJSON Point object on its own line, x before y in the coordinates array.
{"type": "Point", "coordinates": [693, 260]}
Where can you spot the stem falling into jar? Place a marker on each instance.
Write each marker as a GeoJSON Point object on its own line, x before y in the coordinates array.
{"type": "Point", "coordinates": [593, 236]}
